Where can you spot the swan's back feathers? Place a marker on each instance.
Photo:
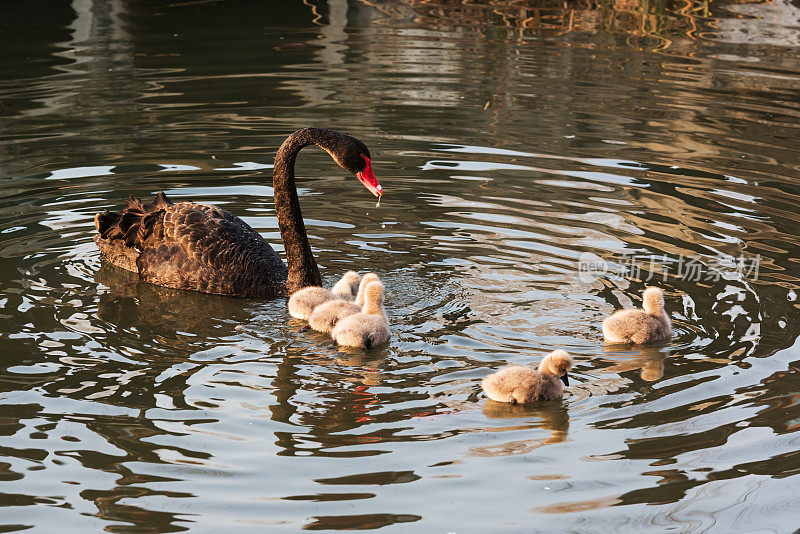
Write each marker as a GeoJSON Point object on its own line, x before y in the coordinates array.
{"type": "Point", "coordinates": [112, 225]}
{"type": "Point", "coordinates": [137, 220]}
{"type": "Point", "coordinates": [115, 252]}
{"type": "Point", "coordinates": [192, 246]}
{"type": "Point", "coordinates": [107, 224]}
{"type": "Point", "coordinates": [117, 232]}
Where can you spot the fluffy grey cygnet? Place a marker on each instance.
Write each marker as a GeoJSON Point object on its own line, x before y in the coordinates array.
{"type": "Point", "coordinates": [518, 384]}
{"type": "Point", "coordinates": [304, 301]}
{"type": "Point", "coordinates": [328, 314]}
{"type": "Point", "coordinates": [368, 328]}
{"type": "Point", "coordinates": [647, 325]}
{"type": "Point", "coordinates": [346, 287]}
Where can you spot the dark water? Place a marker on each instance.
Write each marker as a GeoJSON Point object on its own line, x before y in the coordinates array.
{"type": "Point", "coordinates": [513, 140]}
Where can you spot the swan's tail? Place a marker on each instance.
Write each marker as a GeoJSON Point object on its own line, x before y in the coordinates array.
{"type": "Point", "coordinates": [107, 224]}
{"type": "Point", "coordinates": [120, 233]}
{"type": "Point", "coordinates": [132, 223]}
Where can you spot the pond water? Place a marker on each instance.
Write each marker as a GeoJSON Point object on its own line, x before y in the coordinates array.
{"type": "Point", "coordinates": [518, 143]}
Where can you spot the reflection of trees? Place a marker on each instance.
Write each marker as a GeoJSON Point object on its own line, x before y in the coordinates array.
{"type": "Point", "coordinates": [661, 22]}
{"type": "Point", "coordinates": [636, 18]}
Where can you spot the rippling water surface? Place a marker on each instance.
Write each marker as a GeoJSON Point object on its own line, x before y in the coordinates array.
{"type": "Point", "coordinates": [660, 141]}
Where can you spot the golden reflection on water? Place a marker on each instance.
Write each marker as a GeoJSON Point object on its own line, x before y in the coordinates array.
{"type": "Point", "coordinates": [658, 24]}
{"type": "Point", "coordinates": [649, 361]}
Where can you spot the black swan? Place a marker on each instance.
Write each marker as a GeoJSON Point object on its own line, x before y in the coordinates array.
{"type": "Point", "coordinates": [204, 248]}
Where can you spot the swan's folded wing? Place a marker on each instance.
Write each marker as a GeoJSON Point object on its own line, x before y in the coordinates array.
{"type": "Point", "coordinates": [203, 248]}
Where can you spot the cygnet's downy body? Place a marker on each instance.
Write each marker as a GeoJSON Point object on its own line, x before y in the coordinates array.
{"type": "Point", "coordinates": [368, 328]}
{"type": "Point", "coordinates": [648, 325]}
{"type": "Point", "coordinates": [518, 384]}
{"type": "Point", "coordinates": [303, 302]}
{"type": "Point", "coordinates": [346, 287]}
{"type": "Point", "coordinates": [327, 315]}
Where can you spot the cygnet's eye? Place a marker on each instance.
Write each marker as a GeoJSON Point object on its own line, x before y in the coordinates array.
{"type": "Point", "coordinates": [513, 400]}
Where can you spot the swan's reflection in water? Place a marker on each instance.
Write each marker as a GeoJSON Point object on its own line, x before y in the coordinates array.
{"type": "Point", "coordinates": [129, 302]}
{"type": "Point", "coordinates": [367, 367]}
{"type": "Point", "coordinates": [328, 398]}
{"type": "Point", "coordinates": [359, 521]}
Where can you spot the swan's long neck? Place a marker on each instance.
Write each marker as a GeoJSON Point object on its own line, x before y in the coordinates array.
{"type": "Point", "coordinates": [303, 269]}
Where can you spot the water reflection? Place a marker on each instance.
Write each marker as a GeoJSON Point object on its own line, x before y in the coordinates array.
{"type": "Point", "coordinates": [550, 416]}
{"type": "Point", "coordinates": [648, 360]}
{"type": "Point", "coordinates": [359, 522]}
{"type": "Point", "coordinates": [165, 312]}
{"type": "Point", "coordinates": [643, 22]}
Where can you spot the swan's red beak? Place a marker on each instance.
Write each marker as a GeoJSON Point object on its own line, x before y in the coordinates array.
{"type": "Point", "coordinates": [367, 177]}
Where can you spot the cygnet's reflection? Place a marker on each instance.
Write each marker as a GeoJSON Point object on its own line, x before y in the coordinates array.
{"type": "Point", "coordinates": [551, 416]}
{"type": "Point", "coordinates": [650, 360]}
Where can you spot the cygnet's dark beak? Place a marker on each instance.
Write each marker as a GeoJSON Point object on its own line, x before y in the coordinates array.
{"type": "Point", "coordinates": [565, 379]}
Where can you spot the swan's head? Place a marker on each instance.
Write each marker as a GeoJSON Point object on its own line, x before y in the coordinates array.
{"type": "Point", "coordinates": [347, 151]}
{"type": "Point", "coordinates": [557, 363]}
{"type": "Point", "coordinates": [353, 155]}
{"type": "Point", "coordinates": [365, 280]}
{"type": "Point", "coordinates": [653, 301]}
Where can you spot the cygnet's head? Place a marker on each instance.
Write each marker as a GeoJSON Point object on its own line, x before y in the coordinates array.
{"type": "Point", "coordinates": [653, 301]}
{"type": "Point", "coordinates": [345, 288]}
{"type": "Point", "coordinates": [373, 294]}
{"type": "Point", "coordinates": [365, 280]}
{"type": "Point", "coordinates": [352, 278]}
{"type": "Point", "coordinates": [557, 363]}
